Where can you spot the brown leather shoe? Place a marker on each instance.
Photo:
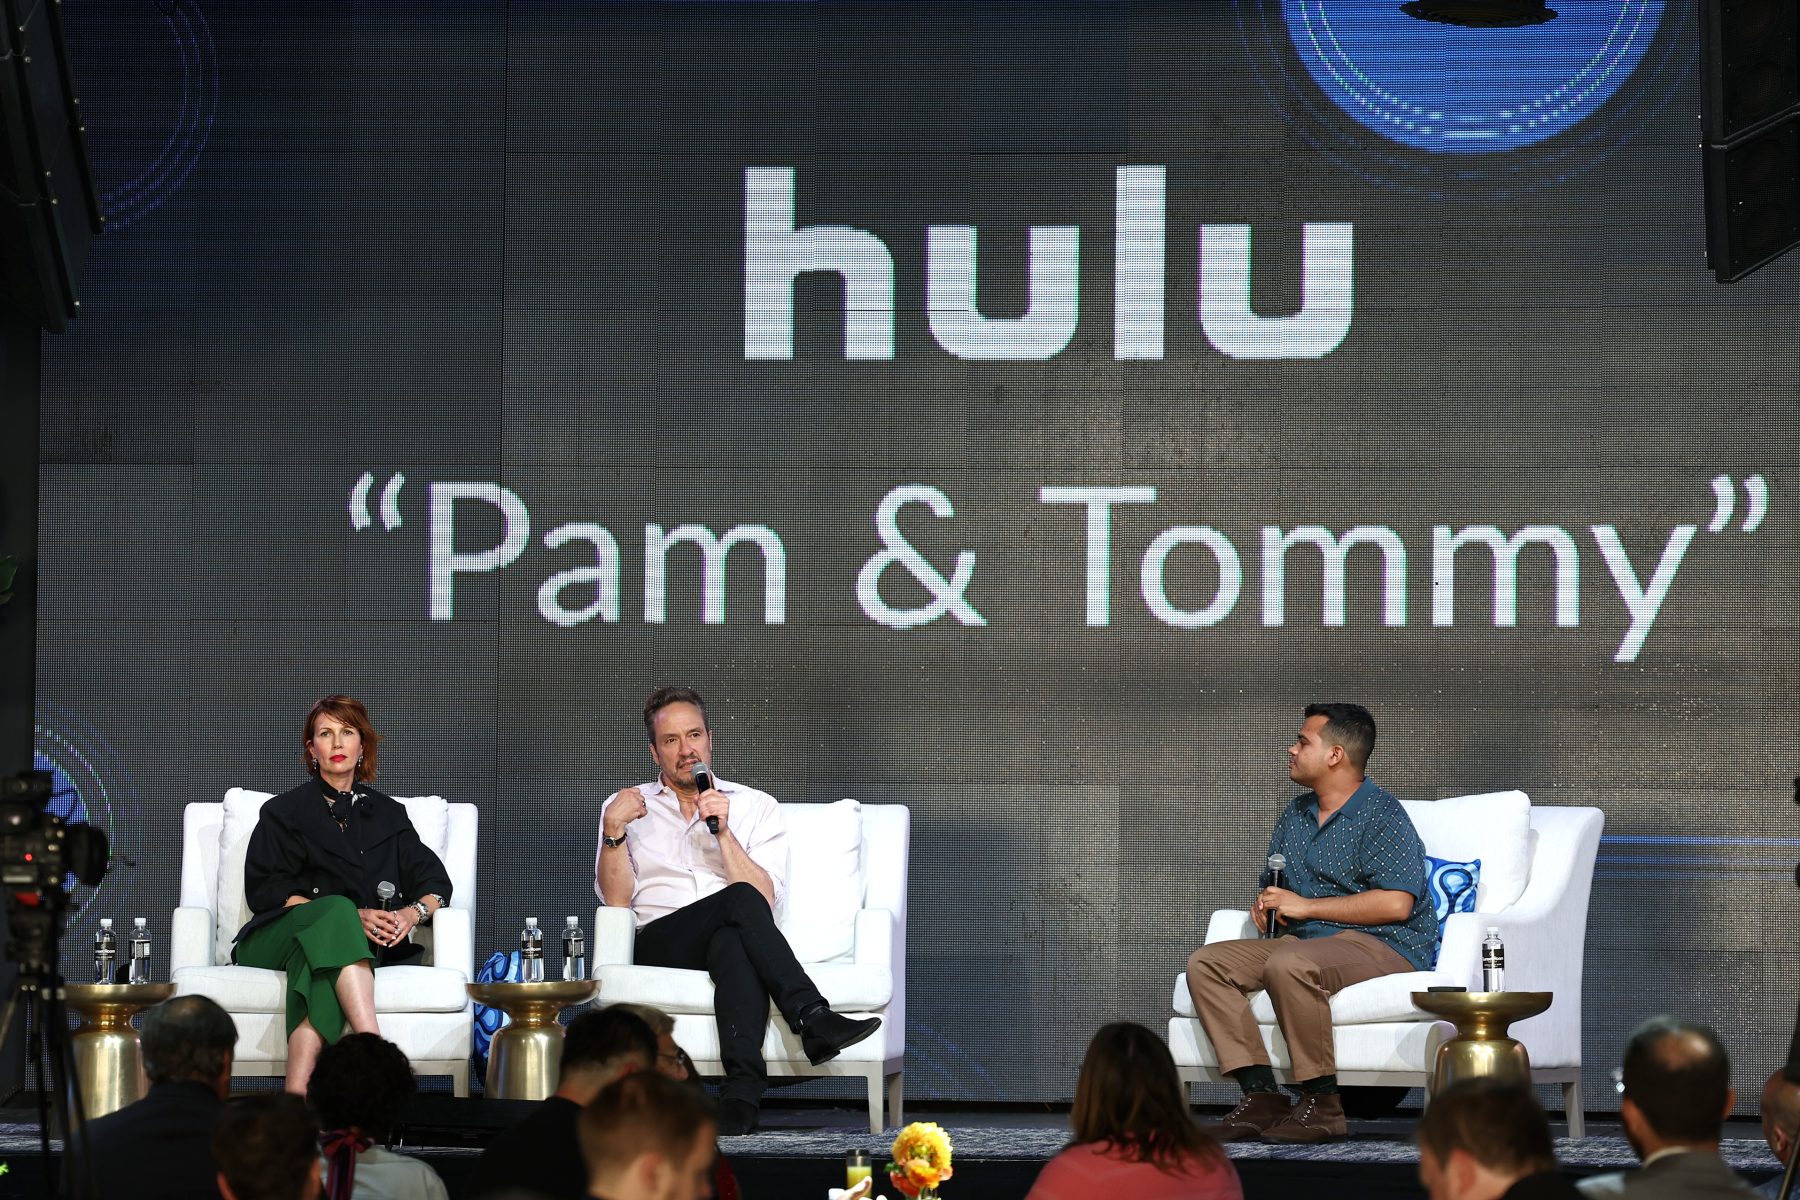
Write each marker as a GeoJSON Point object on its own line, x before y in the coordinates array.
{"type": "Point", "coordinates": [1255, 1114]}
{"type": "Point", "coordinates": [1314, 1119]}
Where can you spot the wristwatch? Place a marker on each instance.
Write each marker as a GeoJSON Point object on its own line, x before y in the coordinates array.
{"type": "Point", "coordinates": [424, 912]}
{"type": "Point", "coordinates": [609, 843]}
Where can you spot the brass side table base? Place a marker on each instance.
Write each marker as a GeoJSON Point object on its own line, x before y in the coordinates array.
{"type": "Point", "coordinates": [1481, 1048]}
{"type": "Point", "coordinates": [108, 1060]}
{"type": "Point", "coordinates": [523, 1057]}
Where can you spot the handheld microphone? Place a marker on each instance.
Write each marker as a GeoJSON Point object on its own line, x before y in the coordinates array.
{"type": "Point", "coordinates": [384, 891]}
{"type": "Point", "coordinates": [1277, 878]}
{"type": "Point", "coordinates": [703, 781]}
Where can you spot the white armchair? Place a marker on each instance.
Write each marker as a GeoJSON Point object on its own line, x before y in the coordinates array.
{"type": "Point", "coordinates": [845, 916]}
{"type": "Point", "coordinates": [423, 1008]}
{"type": "Point", "coordinates": [1537, 871]}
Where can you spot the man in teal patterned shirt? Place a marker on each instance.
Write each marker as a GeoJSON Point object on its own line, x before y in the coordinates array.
{"type": "Point", "coordinates": [1355, 906]}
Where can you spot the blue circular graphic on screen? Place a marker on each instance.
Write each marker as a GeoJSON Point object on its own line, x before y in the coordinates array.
{"type": "Point", "coordinates": [1447, 89]}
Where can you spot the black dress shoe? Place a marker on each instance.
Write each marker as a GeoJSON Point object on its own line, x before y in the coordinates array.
{"type": "Point", "coordinates": [824, 1033]}
{"type": "Point", "coordinates": [737, 1117]}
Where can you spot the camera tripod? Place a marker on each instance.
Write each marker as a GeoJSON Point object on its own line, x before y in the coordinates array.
{"type": "Point", "coordinates": [34, 944]}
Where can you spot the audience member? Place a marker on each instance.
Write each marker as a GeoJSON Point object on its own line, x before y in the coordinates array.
{"type": "Point", "coordinates": [1780, 1117]}
{"type": "Point", "coordinates": [541, 1155]}
{"type": "Point", "coordinates": [671, 1060]}
{"type": "Point", "coordinates": [358, 1087]}
{"type": "Point", "coordinates": [1133, 1134]}
{"type": "Point", "coordinates": [266, 1148]}
{"type": "Point", "coordinates": [1487, 1139]}
{"type": "Point", "coordinates": [158, 1147]}
{"type": "Point", "coordinates": [647, 1137]}
{"type": "Point", "coordinates": [1675, 1091]}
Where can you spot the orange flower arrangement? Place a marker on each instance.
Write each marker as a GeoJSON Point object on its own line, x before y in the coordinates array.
{"type": "Point", "coordinates": [921, 1159]}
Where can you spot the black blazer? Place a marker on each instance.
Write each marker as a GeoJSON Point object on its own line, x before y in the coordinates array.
{"type": "Point", "coordinates": [297, 849]}
{"type": "Point", "coordinates": [159, 1148]}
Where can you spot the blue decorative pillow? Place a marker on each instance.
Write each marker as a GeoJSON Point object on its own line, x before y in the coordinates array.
{"type": "Point", "coordinates": [1452, 885]}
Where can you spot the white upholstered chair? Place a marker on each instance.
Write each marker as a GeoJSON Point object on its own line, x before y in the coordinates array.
{"type": "Point", "coordinates": [845, 917]}
{"type": "Point", "coordinates": [1536, 873]}
{"type": "Point", "coordinates": [423, 1008]}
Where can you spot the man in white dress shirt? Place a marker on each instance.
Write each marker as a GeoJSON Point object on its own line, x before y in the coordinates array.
{"type": "Point", "coordinates": [705, 899]}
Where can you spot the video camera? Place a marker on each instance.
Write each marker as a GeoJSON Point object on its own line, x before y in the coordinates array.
{"type": "Point", "coordinates": [39, 852]}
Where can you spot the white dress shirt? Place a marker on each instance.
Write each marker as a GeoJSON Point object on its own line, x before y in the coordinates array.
{"type": "Point", "coordinates": [676, 861]}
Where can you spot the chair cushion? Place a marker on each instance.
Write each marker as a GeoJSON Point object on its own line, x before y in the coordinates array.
{"type": "Point", "coordinates": [242, 807]}
{"type": "Point", "coordinates": [849, 987]}
{"type": "Point", "coordinates": [1452, 885]}
{"type": "Point", "coordinates": [1494, 827]}
{"type": "Point", "coordinates": [397, 989]}
{"type": "Point", "coordinates": [1384, 998]}
{"type": "Point", "coordinates": [825, 880]}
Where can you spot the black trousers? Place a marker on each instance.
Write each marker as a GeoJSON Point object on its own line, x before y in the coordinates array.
{"type": "Point", "coordinates": [731, 935]}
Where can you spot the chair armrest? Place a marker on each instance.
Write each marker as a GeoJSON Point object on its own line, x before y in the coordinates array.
{"type": "Point", "coordinates": [1459, 950]}
{"type": "Point", "coordinates": [875, 939]}
{"type": "Point", "coordinates": [453, 940]}
{"type": "Point", "coordinates": [1230, 925]}
{"type": "Point", "coordinates": [191, 939]}
{"type": "Point", "coordinates": [615, 936]}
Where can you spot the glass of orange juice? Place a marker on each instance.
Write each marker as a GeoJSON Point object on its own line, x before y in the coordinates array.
{"type": "Point", "coordinates": [856, 1167]}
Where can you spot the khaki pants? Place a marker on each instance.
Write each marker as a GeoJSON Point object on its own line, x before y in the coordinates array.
{"type": "Point", "coordinates": [1301, 975]}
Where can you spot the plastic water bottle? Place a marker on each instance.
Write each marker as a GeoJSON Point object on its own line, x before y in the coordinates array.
{"type": "Point", "coordinates": [531, 952]}
{"type": "Point", "coordinates": [1493, 962]}
{"type": "Point", "coordinates": [140, 952]}
{"type": "Point", "coordinates": [106, 951]}
{"type": "Point", "coordinates": [574, 951]}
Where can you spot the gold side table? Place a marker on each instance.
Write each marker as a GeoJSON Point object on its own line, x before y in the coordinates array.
{"type": "Point", "coordinates": [108, 1060]}
{"type": "Point", "coordinates": [1481, 1047]}
{"type": "Point", "coordinates": [523, 1057]}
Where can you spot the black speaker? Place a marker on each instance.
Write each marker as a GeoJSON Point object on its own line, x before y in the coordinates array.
{"type": "Point", "coordinates": [49, 207]}
{"type": "Point", "coordinates": [1750, 60]}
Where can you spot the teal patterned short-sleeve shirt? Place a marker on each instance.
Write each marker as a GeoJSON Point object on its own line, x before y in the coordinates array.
{"type": "Point", "coordinates": [1368, 844]}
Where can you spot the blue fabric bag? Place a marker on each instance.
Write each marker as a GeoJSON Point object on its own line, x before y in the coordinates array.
{"type": "Point", "coordinates": [500, 967]}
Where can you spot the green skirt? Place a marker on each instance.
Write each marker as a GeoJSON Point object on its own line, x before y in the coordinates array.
{"type": "Point", "coordinates": [312, 942]}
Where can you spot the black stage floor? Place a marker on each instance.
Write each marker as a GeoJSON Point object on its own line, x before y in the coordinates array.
{"type": "Point", "coordinates": [999, 1151]}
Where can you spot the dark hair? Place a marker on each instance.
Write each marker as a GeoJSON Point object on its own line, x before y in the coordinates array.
{"type": "Point", "coordinates": [607, 1040]}
{"type": "Point", "coordinates": [362, 1081]}
{"type": "Point", "coordinates": [662, 697]}
{"type": "Point", "coordinates": [187, 1039]}
{"type": "Point", "coordinates": [1129, 1097]}
{"type": "Point", "coordinates": [1678, 1075]}
{"type": "Point", "coordinates": [637, 1114]}
{"type": "Point", "coordinates": [1350, 726]}
{"type": "Point", "coordinates": [264, 1146]}
{"type": "Point", "coordinates": [1496, 1121]}
{"type": "Point", "coordinates": [351, 712]}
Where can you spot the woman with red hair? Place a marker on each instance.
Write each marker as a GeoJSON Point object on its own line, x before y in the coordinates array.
{"type": "Point", "coordinates": [311, 873]}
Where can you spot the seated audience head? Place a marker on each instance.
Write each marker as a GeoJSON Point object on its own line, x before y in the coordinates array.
{"type": "Point", "coordinates": [646, 1137]}
{"type": "Point", "coordinates": [1780, 1113]}
{"type": "Point", "coordinates": [267, 1148]}
{"type": "Point", "coordinates": [189, 1040]}
{"type": "Point", "coordinates": [361, 1083]}
{"type": "Point", "coordinates": [1129, 1098]}
{"type": "Point", "coordinates": [1481, 1136]}
{"type": "Point", "coordinates": [670, 1060]}
{"type": "Point", "coordinates": [601, 1045]}
{"type": "Point", "coordinates": [1675, 1086]}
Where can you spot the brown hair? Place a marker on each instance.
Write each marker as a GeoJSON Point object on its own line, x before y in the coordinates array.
{"type": "Point", "coordinates": [1496, 1121]}
{"type": "Point", "coordinates": [637, 1114]}
{"type": "Point", "coordinates": [662, 697]}
{"type": "Point", "coordinates": [1130, 1098]}
{"type": "Point", "coordinates": [351, 712]}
